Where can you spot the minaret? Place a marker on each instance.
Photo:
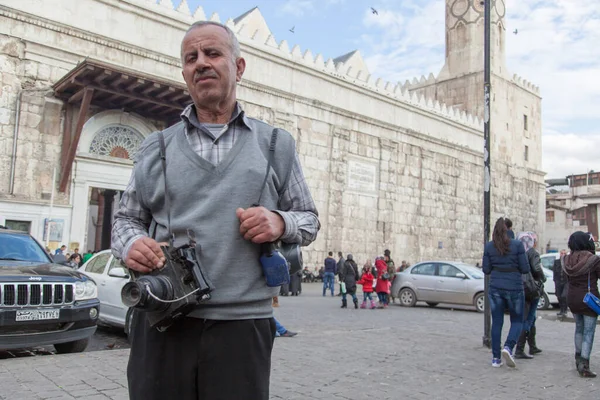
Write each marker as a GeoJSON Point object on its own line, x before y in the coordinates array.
{"type": "Point", "coordinates": [464, 38]}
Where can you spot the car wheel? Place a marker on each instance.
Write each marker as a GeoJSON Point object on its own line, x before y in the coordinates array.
{"type": "Point", "coordinates": [543, 303]}
{"type": "Point", "coordinates": [430, 304]}
{"type": "Point", "coordinates": [72, 347]}
{"type": "Point", "coordinates": [479, 302]}
{"type": "Point", "coordinates": [408, 298]}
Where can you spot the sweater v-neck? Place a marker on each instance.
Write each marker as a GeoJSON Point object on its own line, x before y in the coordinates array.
{"type": "Point", "coordinates": [203, 163]}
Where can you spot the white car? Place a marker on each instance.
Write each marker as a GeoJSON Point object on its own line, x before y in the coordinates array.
{"type": "Point", "coordinates": [110, 277]}
{"type": "Point", "coordinates": [547, 265]}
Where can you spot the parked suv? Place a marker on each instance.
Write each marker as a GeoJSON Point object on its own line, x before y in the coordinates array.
{"type": "Point", "coordinates": [41, 302]}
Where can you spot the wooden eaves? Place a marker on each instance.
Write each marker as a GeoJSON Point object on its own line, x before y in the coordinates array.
{"type": "Point", "coordinates": [108, 86]}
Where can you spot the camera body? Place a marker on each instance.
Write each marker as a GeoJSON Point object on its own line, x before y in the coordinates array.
{"type": "Point", "coordinates": [179, 286]}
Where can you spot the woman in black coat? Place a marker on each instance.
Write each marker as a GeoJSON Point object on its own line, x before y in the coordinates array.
{"type": "Point", "coordinates": [349, 275]}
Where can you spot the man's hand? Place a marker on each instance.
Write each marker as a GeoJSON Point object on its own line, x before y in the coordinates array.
{"type": "Point", "coordinates": [260, 225]}
{"type": "Point", "coordinates": [145, 255]}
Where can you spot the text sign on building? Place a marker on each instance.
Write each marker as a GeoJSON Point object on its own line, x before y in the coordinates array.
{"type": "Point", "coordinates": [362, 176]}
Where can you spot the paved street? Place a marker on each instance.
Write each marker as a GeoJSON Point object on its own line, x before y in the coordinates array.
{"type": "Point", "coordinates": [412, 353]}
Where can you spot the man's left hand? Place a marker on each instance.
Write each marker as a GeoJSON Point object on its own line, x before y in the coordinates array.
{"type": "Point", "coordinates": [260, 225]}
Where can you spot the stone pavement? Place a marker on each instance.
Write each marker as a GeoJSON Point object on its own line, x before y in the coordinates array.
{"type": "Point", "coordinates": [408, 353]}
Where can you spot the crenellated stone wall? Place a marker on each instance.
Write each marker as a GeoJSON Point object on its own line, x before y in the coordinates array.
{"type": "Point", "coordinates": [389, 166]}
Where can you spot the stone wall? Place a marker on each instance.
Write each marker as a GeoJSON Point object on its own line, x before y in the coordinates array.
{"type": "Point", "coordinates": [387, 168]}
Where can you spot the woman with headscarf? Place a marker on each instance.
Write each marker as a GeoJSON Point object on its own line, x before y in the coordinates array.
{"type": "Point", "coordinates": [504, 260]}
{"type": "Point", "coordinates": [582, 268]}
{"type": "Point", "coordinates": [349, 275]}
{"type": "Point", "coordinates": [537, 278]}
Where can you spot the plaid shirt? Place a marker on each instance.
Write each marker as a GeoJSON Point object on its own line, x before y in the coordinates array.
{"type": "Point", "coordinates": [132, 220]}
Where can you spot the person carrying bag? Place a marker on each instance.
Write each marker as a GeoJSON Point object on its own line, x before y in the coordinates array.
{"type": "Point", "coordinates": [582, 268]}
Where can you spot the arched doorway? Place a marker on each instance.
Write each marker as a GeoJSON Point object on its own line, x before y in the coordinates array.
{"type": "Point", "coordinates": [102, 170]}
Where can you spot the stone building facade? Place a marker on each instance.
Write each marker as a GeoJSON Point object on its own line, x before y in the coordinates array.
{"type": "Point", "coordinates": [390, 165]}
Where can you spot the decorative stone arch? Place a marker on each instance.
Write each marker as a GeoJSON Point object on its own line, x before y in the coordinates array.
{"type": "Point", "coordinates": [113, 133]}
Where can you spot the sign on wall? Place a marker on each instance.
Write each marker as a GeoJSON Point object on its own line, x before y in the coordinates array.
{"type": "Point", "coordinates": [55, 228]}
{"type": "Point", "coordinates": [362, 176]}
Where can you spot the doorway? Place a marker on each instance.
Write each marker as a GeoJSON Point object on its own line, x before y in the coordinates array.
{"type": "Point", "coordinates": [103, 205]}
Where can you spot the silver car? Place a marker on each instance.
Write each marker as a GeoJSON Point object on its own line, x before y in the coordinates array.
{"type": "Point", "coordinates": [437, 282]}
{"type": "Point", "coordinates": [110, 277]}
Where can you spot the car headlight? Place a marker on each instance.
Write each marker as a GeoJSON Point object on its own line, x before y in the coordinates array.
{"type": "Point", "coordinates": [85, 290]}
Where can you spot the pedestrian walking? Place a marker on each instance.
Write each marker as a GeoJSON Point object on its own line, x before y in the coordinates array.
{"type": "Point", "coordinates": [366, 280]}
{"type": "Point", "coordinates": [339, 266]}
{"type": "Point", "coordinates": [533, 289]}
{"type": "Point", "coordinates": [329, 275]}
{"type": "Point", "coordinates": [509, 231]}
{"type": "Point", "coordinates": [382, 287]}
{"type": "Point", "coordinates": [349, 276]}
{"type": "Point", "coordinates": [281, 331]}
{"type": "Point", "coordinates": [560, 283]}
{"type": "Point", "coordinates": [582, 269]}
{"type": "Point", "coordinates": [504, 260]}
{"type": "Point", "coordinates": [222, 348]}
{"type": "Point", "coordinates": [391, 270]}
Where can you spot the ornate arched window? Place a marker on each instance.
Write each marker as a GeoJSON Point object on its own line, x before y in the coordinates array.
{"type": "Point", "coordinates": [116, 141]}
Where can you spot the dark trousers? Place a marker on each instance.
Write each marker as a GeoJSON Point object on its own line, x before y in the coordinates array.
{"type": "Point", "coordinates": [198, 359]}
{"type": "Point", "coordinates": [561, 294]}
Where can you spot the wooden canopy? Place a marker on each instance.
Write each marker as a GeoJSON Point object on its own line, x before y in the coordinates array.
{"type": "Point", "coordinates": [113, 87]}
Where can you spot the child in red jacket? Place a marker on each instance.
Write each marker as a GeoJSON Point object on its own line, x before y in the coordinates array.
{"type": "Point", "coordinates": [367, 281]}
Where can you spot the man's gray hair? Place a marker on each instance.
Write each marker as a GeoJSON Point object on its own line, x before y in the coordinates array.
{"type": "Point", "coordinates": [233, 41]}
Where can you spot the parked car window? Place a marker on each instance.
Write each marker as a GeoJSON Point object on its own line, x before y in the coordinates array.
{"type": "Point", "coordinates": [473, 272]}
{"type": "Point", "coordinates": [448, 271]}
{"type": "Point", "coordinates": [424, 269]}
{"type": "Point", "coordinates": [97, 264]}
{"type": "Point", "coordinates": [548, 262]}
{"type": "Point", "coordinates": [114, 263]}
{"type": "Point", "coordinates": [22, 248]}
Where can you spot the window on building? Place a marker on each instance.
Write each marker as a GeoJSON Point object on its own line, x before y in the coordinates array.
{"type": "Point", "coordinates": [580, 215]}
{"type": "Point", "coordinates": [550, 216]}
{"type": "Point", "coordinates": [23, 226]}
{"type": "Point", "coordinates": [526, 155]}
{"type": "Point", "coordinates": [578, 180]}
{"type": "Point", "coordinates": [525, 122]}
{"type": "Point", "coordinates": [594, 178]}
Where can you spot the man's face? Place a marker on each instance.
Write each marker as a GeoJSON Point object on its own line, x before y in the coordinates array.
{"type": "Point", "coordinates": [209, 68]}
{"type": "Point", "coordinates": [563, 252]}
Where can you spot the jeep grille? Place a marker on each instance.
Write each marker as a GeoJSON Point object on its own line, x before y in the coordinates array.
{"type": "Point", "coordinates": [35, 294]}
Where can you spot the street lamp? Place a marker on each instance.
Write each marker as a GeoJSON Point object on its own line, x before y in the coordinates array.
{"type": "Point", "coordinates": [487, 88]}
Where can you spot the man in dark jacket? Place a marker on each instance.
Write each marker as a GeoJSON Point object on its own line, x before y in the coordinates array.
{"type": "Point", "coordinates": [560, 284]}
{"type": "Point", "coordinates": [509, 225]}
{"type": "Point", "coordinates": [391, 268]}
{"type": "Point", "coordinates": [329, 275]}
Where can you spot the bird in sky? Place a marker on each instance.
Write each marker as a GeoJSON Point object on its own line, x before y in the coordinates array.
{"type": "Point", "coordinates": [516, 31]}
{"type": "Point", "coordinates": [374, 11]}
{"type": "Point", "coordinates": [292, 30]}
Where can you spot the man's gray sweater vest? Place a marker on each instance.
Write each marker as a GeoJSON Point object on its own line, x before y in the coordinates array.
{"type": "Point", "coordinates": [204, 198]}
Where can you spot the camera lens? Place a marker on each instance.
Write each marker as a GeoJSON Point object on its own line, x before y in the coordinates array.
{"type": "Point", "coordinates": [135, 294]}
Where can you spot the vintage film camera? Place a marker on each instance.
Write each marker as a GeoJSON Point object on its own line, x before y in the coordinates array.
{"type": "Point", "coordinates": [171, 292]}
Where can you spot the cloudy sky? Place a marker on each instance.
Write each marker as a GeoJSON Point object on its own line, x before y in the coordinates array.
{"type": "Point", "coordinates": [556, 48]}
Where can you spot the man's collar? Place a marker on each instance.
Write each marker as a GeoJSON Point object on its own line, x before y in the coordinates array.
{"type": "Point", "coordinates": [190, 117]}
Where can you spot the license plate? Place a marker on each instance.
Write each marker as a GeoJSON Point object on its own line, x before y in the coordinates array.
{"type": "Point", "coordinates": [37, 315]}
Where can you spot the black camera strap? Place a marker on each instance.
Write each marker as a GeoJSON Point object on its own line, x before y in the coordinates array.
{"type": "Point", "coordinates": [163, 159]}
{"type": "Point", "coordinates": [269, 162]}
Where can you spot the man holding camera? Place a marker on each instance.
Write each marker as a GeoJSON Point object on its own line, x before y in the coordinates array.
{"type": "Point", "coordinates": [216, 160]}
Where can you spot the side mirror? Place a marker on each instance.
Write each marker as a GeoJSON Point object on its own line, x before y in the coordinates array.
{"type": "Point", "coordinates": [118, 273]}
{"type": "Point", "coordinates": [460, 275]}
